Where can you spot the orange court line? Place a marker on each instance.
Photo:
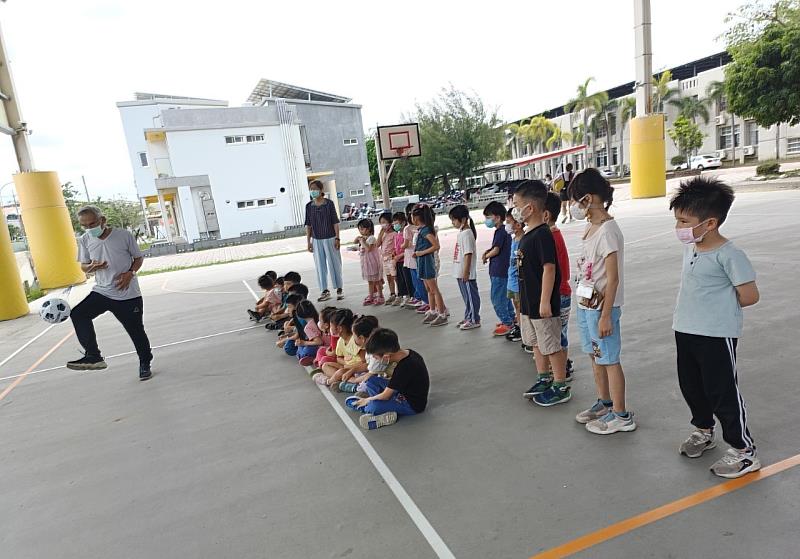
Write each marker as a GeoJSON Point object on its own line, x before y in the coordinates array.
{"type": "Point", "coordinates": [645, 518]}
{"type": "Point", "coordinates": [20, 378]}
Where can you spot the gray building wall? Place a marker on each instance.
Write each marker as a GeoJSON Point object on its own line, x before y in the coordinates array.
{"type": "Point", "coordinates": [327, 126]}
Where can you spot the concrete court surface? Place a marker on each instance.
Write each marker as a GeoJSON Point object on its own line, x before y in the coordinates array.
{"type": "Point", "coordinates": [231, 451]}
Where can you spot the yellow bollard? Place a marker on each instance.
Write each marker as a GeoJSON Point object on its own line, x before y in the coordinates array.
{"type": "Point", "coordinates": [648, 165]}
{"type": "Point", "coordinates": [13, 302]}
{"type": "Point", "coordinates": [48, 227]}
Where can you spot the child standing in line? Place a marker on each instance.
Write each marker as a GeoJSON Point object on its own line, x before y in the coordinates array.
{"type": "Point", "coordinates": [427, 245]}
{"type": "Point", "coordinates": [419, 299]}
{"type": "Point", "coordinates": [405, 287]}
{"type": "Point", "coordinates": [515, 229]}
{"type": "Point", "coordinates": [553, 209]}
{"type": "Point", "coordinates": [371, 262]}
{"type": "Point", "coordinates": [600, 291]}
{"type": "Point", "coordinates": [326, 353]}
{"type": "Point", "coordinates": [465, 266]}
{"type": "Point", "coordinates": [311, 341]}
{"type": "Point", "coordinates": [717, 281]}
{"type": "Point", "coordinates": [498, 257]}
{"type": "Point", "coordinates": [386, 244]}
{"type": "Point", "coordinates": [405, 393]}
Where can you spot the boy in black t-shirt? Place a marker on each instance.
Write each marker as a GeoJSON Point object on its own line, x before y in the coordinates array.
{"type": "Point", "coordinates": [540, 300]}
{"type": "Point", "coordinates": [406, 393]}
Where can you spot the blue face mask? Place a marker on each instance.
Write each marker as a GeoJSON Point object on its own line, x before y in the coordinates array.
{"type": "Point", "coordinates": [490, 222]}
{"type": "Point", "coordinates": [95, 231]}
{"type": "Point", "coordinates": [397, 227]}
{"type": "Point", "coordinates": [314, 194]}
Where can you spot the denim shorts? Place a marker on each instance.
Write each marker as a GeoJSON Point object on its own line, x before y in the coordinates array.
{"type": "Point", "coordinates": [604, 350]}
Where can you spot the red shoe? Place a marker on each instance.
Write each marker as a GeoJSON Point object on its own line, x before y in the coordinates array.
{"type": "Point", "coordinates": [306, 361]}
{"type": "Point", "coordinates": [369, 301]}
{"type": "Point", "coordinates": [502, 330]}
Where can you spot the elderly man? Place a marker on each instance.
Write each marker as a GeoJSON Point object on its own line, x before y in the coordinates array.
{"type": "Point", "coordinates": [113, 256]}
{"type": "Point", "coordinates": [322, 236]}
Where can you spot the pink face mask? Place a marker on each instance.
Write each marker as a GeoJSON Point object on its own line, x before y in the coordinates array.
{"type": "Point", "coordinates": [686, 234]}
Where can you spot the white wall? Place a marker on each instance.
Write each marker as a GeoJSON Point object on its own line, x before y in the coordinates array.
{"type": "Point", "coordinates": [238, 172]}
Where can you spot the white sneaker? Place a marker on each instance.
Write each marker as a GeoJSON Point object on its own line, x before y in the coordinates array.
{"type": "Point", "coordinates": [597, 411]}
{"type": "Point", "coordinates": [430, 316]}
{"type": "Point", "coordinates": [736, 463]}
{"type": "Point", "coordinates": [440, 320]}
{"type": "Point", "coordinates": [697, 443]}
{"type": "Point", "coordinates": [470, 325]}
{"type": "Point", "coordinates": [611, 423]}
{"type": "Point", "coordinates": [370, 422]}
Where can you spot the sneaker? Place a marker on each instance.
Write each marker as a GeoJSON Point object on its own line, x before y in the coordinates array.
{"type": "Point", "coordinates": [87, 363]}
{"type": "Point", "coordinates": [440, 320]}
{"type": "Point", "coordinates": [254, 315]}
{"type": "Point", "coordinates": [339, 294]}
{"type": "Point", "coordinates": [470, 325]}
{"type": "Point", "coordinates": [144, 371]}
{"type": "Point", "coordinates": [502, 330]}
{"type": "Point", "coordinates": [611, 423]}
{"type": "Point", "coordinates": [423, 308]}
{"type": "Point", "coordinates": [410, 302]}
{"type": "Point", "coordinates": [306, 361]}
{"type": "Point", "coordinates": [349, 387]}
{"type": "Point", "coordinates": [598, 410]}
{"type": "Point", "coordinates": [570, 369]}
{"type": "Point", "coordinates": [552, 396]}
{"type": "Point", "coordinates": [399, 302]}
{"type": "Point", "coordinates": [334, 386]}
{"type": "Point", "coordinates": [527, 348]}
{"type": "Point", "coordinates": [541, 385]}
{"type": "Point", "coordinates": [324, 296]}
{"type": "Point", "coordinates": [736, 463]}
{"type": "Point", "coordinates": [350, 402]}
{"type": "Point", "coordinates": [370, 422]}
{"type": "Point", "coordinates": [430, 316]}
{"type": "Point", "coordinates": [390, 300]}
{"type": "Point", "coordinates": [514, 335]}
{"type": "Point", "coordinates": [320, 379]}
{"type": "Point", "coordinates": [697, 443]}
{"type": "Point", "coordinates": [369, 301]}
{"type": "Point", "coordinates": [378, 301]}
{"type": "Point", "coordinates": [568, 378]}
{"type": "Point", "coordinates": [460, 323]}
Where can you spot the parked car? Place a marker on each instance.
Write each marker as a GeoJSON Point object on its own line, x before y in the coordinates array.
{"type": "Point", "coordinates": [608, 173]}
{"type": "Point", "coordinates": [701, 162]}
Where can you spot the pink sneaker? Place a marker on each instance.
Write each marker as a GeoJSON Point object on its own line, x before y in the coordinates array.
{"type": "Point", "coordinates": [369, 301]}
{"type": "Point", "coordinates": [379, 301]}
{"type": "Point", "coordinates": [422, 309]}
{"type": "Point", "coordinates": [306, 361]}
{"type": "Point", "coordinates": [320, 379]}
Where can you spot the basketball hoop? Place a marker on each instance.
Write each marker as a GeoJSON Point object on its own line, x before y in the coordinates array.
{"type": "Point", "coordinates": [400, 152]}
{"type": "Point", "coordinates": [400, 141]}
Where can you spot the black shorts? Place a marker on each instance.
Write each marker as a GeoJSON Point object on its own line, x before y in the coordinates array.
{"type": "Point", "coordinates": [564, 195]}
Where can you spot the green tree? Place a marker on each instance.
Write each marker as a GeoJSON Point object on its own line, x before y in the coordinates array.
{"type": "Point", "coordinates": [627, 111]}
{"type": "Point", "coordinates": [662, 91]}
{"type": "Point", "coordinates": [587, 105]}
{"type": "Point", "coordinates": [13, 231]}
{"type": "Point", "coordinates": [73, 204]}
{"type": "Point", "coordinates": [686, 136]}
{"type": "Point", "coordinates": [691, 108]}
{"type": "Point", "coordinates": [125, 214]}
{"type": "Point", "coordinates": [715, 93]}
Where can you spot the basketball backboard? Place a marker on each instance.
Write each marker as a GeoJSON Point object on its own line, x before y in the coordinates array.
{"type": "Point", "coordinates": [399, 141]}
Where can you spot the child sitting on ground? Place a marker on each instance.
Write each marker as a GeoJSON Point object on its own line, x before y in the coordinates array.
{"type": "Point", "coordinates": [326, 353]}
{"type": "Point", "coordinates": [347, 352]}
{"type": "Point", "coordinates": [386, 243]}
{"type": "Point", "coordinates": [282, 315]}
{"type": "Point", "coordinates": [265, 304]}
{"type": "Point", "coordinates": [405, 393]}
{"type": "Point", "coordinates": [371, 262]}
{"type": "Point", "coordinates": [292, 326]}
{"type": "Point", "coordinates": [363, 328]}
{"type": "Point", "coordinates": [311, 340]}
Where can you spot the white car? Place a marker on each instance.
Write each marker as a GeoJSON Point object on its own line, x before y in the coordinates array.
{"type": "Point", "coordinates": [701, 162]}
{"type": "Point", "coordinates": [607, 173]}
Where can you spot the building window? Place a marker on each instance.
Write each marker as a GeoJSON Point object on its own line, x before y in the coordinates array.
{"type": "Point", "coordinates": [259, 203]}
{"type": "Point", "coordinates": [793, 146]}
{"type": "Point", "coordinates": [234, 139]}
{"type": "Point", "coordinates": [350, 141]}
{"type": "Point", "coordinates": [601, 158]}
{"type": "Point", "coordinates": [255, 138]}
{"type": "Point", "coordinates": [143, 159]}
{"type": "Point", "coordinates": [689, 84]}
{"type": "Point", "coordinates": [724, 137]}
{"type": "Point", "coordinates": [356, 192]}
{"type": "Point", "coordinates": [752, 133]}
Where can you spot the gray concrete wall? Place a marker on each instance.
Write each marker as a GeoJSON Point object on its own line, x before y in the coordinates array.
{"type": "Point", "coordinates": [219, 117]}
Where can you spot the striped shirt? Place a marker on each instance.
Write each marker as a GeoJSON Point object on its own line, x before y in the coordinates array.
{"type": "Point", "coordinates": [321, 218]}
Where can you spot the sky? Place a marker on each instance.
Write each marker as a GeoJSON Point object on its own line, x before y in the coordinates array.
{"type": "Point", "coordinates": [73, 60]}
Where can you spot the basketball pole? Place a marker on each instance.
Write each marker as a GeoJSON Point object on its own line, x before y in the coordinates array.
{"type": "Point", "coordinates": [384, 175]}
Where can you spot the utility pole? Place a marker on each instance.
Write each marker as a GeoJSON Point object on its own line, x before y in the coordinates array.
{"type": "Point", "coordinates": [13, 124]}
{"type": "Point", "coordinates": [644, 57]}
{"type": "Point", "coordinates": [88, 200]}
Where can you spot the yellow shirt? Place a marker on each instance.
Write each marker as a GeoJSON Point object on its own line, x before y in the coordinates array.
{"type": "Point", "coordinates": [348, 350]}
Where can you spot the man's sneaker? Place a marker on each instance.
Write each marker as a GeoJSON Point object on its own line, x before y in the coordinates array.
{"type": "Point", "coordinates": [611, 423]}
{"type": "Point", "coordinates": [542, 384]}
{"type": "Point", "coordinates": [87, 363]}
{"type": "Point", "coordinates": [144, 371]}
{"type": "Point", "coordinates": [339, 294]}
{"type": "Point", "coordinates": [439, 320]}
{"type": "Point", "coordinates": [527, 348]}
{"type": "Point", "coordinates": [598, 410]}
{"type": "Point", "coordinates": [349, 387]}
{"type": "Point", "coordinates": [514, 335]}
{"type": "Point", "coordinates": [697, 443]}
{"type": "Point", "coordinates": [470, 325]}
{"type": "Point", "coordinates": [501, 330]}
{"type": "Point", "coordinates": [370, 422]}
{"type": "Point", "coordinates": [390, 300]}
{"type": "Point", "coordinates": [423, 308]}
{"type": "Point", "coordinates": [552, 396]}
{"type": "Point", "coordinates": [324, 296]}
{"type": "Point", "coordinates": [736, 463]}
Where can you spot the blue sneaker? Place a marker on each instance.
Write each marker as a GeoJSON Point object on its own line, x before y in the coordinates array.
{"type": "Point", "coordinates": [541, 385]}
{"type": "Point", "coordinates": [350, 402]}
{"type": "Point", "coordinates": [348, 387]}
{"type": "Point", "coordinates": [552, 396]}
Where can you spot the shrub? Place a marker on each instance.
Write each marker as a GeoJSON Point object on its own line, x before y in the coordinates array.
{"type": "Point", "coordinates": [768, 168]}
{"type": "Point", "coordinates": [678, 160]}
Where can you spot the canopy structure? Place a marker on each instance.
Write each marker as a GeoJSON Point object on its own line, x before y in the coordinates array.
{"type": "Point", "coordinates": [530, 159]}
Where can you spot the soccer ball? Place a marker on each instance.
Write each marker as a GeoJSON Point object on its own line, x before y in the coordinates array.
{"type": "Point", "coordinates": [54, 311]}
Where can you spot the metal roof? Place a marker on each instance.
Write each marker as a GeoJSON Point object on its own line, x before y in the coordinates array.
{"type": "Point", "coordinates": [270, 89]}
{"type": "Point", "coordinates": [140, 96]}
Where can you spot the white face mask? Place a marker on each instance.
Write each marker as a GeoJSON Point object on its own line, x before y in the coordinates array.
{"type": "Point", "coordinates": [509, 228]}
{"type": "Point", "coordinates": [516, 213]}
{"type": "Point", "coordinates": [577, 212]}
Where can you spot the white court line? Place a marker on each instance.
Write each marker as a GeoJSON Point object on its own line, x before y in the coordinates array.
{"type": "Point", "coordinates": [29, 342]}
{"type": "Point", "coordinates": [411, 508]}
{"type": "Point", "coordinates": [428, 531]}
{"type": "Point", "coordinates": [197, 339]}
{"type": "Point", "coordinates": [250, 289]}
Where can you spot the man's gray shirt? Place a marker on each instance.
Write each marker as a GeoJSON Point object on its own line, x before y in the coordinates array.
{"type": "Point", "coordinates": [119, 249]}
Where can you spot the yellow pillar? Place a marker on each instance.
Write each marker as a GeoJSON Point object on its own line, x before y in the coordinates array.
{"type": "Point", "coordinates": [48, 227]}
{"type": "Point", "coordinates": [648, 165]}
{"type": "Point", "coordinates": [13, 302]}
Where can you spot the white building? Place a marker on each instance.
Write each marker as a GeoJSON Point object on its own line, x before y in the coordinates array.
{"type": "Point", "coordinates": [205, 170]}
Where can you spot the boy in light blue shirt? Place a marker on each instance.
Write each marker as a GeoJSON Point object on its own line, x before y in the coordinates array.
{"type": "Point", "coordinates": [717, 281]}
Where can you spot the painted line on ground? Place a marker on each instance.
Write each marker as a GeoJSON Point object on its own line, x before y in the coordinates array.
{"type": "Point", "coordinates": [170, 344]}
{"type": "Point", "coordinates": [629, 524]}
{"type": "Point", "coordinates": [411, 508]}
{"type": "Point", "coordinates": [47, 354]}
{"type": "Point", "coordinates": [26, 344]}
{"type": "Point", "coordinates": [250, 289]}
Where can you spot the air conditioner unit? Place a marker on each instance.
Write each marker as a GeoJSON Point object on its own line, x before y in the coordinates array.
{"type": "Point", "coordinates": [722, 153]}
{"type": "Point", "coordinates": [720, 120]}
{"type": "Point", "coordinates": [749, 150]}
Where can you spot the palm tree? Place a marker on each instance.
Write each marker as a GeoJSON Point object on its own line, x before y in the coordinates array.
{"type": "Point", "coordinates": [715, 93]}
{"type": "Point", "coordinates": [662, 92]}
{"type": "Point", "coordinates": [587, 105]}
{"type": "Point", "coordinates": [627, 111]}
{"type": "Point", "coordinates": [519, 132]}
{"type": "Point", "coordinates": [607, 111]}
{"type": "Point", "coordinates": [691, 108]}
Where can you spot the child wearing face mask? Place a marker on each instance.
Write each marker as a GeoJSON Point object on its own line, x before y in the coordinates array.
{"type": "Point", "coordinates": [386, 238]}
{"type": "Point", "coordinates": [354, 377]}
{"type": "Point", "coordinates": [717, 281]}
{"type": "Point", "coordinates": [405, 393]}
{"type": "Point", "coordinates": [465, 266]}
{"type": "Point", "coordinates": [515, 229]}
{"type": "Point", "coordinates": [369, 252]}
{"type": "Point", "coordinates": [405, 286]}
{"type": "Point", "coordinates": [498, 257]}
{"type": "Point", "coordinates": [600, 292]}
